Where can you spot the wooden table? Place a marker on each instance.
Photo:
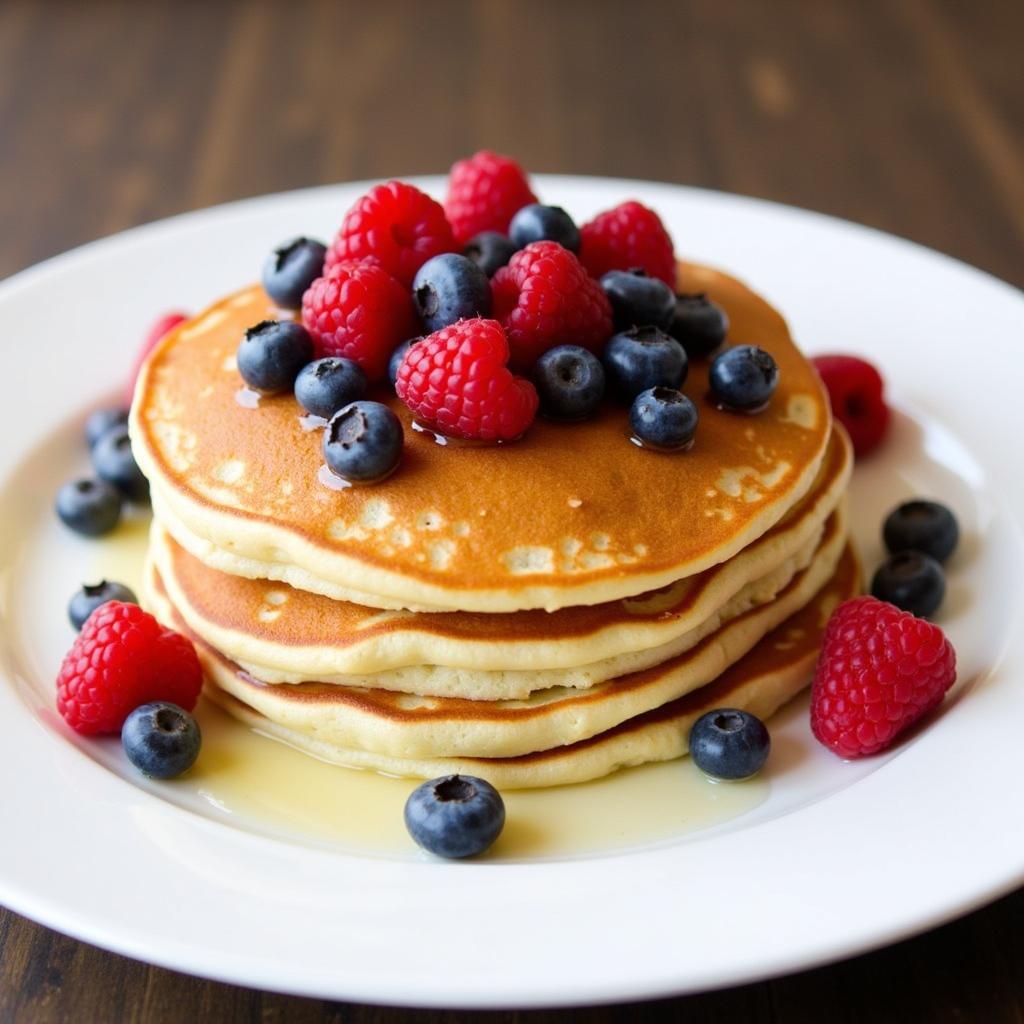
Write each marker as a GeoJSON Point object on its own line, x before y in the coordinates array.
{"type": "Point", "coordinates": [905, 115]}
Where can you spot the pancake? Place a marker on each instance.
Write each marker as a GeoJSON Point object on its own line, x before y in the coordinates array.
{"type": "Point", "coordinates": [568, 515]}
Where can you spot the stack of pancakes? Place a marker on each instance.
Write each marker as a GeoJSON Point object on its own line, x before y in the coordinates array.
{"type": "Point", "coordinates": [536, 613]}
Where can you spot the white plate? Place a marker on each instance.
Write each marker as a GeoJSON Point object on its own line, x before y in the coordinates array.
{"type": "Point", "coordinates": [838, 859]}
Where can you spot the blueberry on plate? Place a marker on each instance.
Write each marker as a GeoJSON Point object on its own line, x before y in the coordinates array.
{"type": "Point", "coordinates": [539, 223]}
{"type": "Point", "coordinates": [698, 324]}
{"type": "Point", "coordinates": [161, 739]}
{"type": "Point", "coordinates": [291, 268]}
{"type": "Point", "coordinates": [102, 420]}
{"type": "Point", "coordinates": [663, 418]}
{"type": "Point", "coordinates": [490, 251]}
{"type": "Point", "coordinates": [325, 385]}
{"type": "Point", "coordinates": [455, 816]}
{"type": "Point", "coordinates": [114, 462]}
{"type": "Point", "coordinates": [90, 507]}
{"type": "Point", "coordinates": [743, 378]}
{"type": "Point", "coordinates": [570, 382]}
{"type": "Point", "coordinates": [397, 356]}
{"type": "Point", "coordinates": [912, 581]}
{"type": "Point", "coordinates": [729, 744]}
{"type": "Point", "coordinates": [91, 595]}
{"type": "Point", "coordinates": [448, 288]}
{"type": "Point", "coordinates": [363, 442]}
{"type": "Point", "coordinates": [272, 353]}
{"type": "Point", "coordinates": [924, 526]}
{"type": "Point", "coordinates": [638, 300]}
{"type": "Point", "coordinates": [642, 358]}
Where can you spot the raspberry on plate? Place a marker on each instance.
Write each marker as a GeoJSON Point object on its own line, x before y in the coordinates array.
{"type": "Point", "coordinates": [880, 670]}
{"type": "Point", "coordinates": [123, 658]}
{"type": "Point", "coordinates": [545, 298]}
{"type": "Point", "coordinates": [856, 392]}
{"type": "Point", "coordinates": [485, 191]}
{"type": "Point", "coordinates": [163, 326]}
{"type": "Point", "coordinates": [395, 224]}
{"type": "Point", "coordinates": [360, 312]}
{"type": "Point", "coordinates": [457, 381]}
{"type": "Point", "coordinates": [627, 237]}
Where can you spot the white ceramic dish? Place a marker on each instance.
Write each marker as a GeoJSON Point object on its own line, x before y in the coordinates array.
{"type": "Point", "coordinates": [839, 858]}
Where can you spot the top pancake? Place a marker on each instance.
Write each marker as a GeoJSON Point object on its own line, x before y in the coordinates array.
{"type": "Point", "coordinates": [568, 515]}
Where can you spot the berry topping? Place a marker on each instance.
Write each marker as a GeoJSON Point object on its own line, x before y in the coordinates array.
{"type": "Point", "coordinates": [163, 326]}
{"type": "Point", "coordinates": [114, 462]}
{"type": "Point", "coordinates": [924, 526]}
{"type": "Point", "coordinates": [398, 226]}
{"type": "Point", "coordinates": [545, 298]}
{"type": "Point", "coordinates": [455, 816]}
{"type": "Point", "coordinates": [396, 358]}
{"type": "Point", "coordinates": [291, 268]}
{"type": "Point", "coordinates": [90, 507]}
{"type": "Point", "coordinates": [457, 382]}
{"type": "Point", "coordinates": [272, 353]}
{"type": "Point", "coordinates": [484, 192]}
{"type": "Point", "coordinates": [569, 382]}
{"type": "Point", "coordinates": [856, 392]}
{"type": "Point", "coordinates": [630, 235]}
{"type": "Point", "coordinates": [698, 324]}
{"type": "Point", "coordinates": [325, 385]}
{"type": "Point", "coordinates": [537, 223]}
{"type": "Point", "coordinates": [743, 378]}
{"type": "Point", "coordinates": [638, 300]}
{"type": "Point", "coordinates": [490, 251]}
{"type": "Point", "coordinates": [102, 420]}
{"type": "Point", "coordinates": [663, 418]}
{"type": "Point", "coordinates": [91, 595]}
{"type": "Point", "coordinates": [361, 312]}
{"type": "Point", "coordinates": [161, 739]}
{"type": "Point", "coordinates": [643, 358]}
{"type": "Point", "coordinates": [363, 442]}
{"type": "Point", "coordinates": [450, 287]}
{"type": "Point", "coordinates": [729, 744]}
{"type": "Point", "coordinates": [911, 581]}
{"type": "Point", "coordinates": [123, 658]}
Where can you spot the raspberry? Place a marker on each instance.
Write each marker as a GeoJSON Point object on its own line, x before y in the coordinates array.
{"type": "Point", "coordinates": [358, 311]}
{"type": "Point", "coordinates": [857, 394]}
{"type": "Point", "coordinates": [396, 224]}
{"type": "Point", "coordinates": [628, 236]}
{"type": "Point", "coordinates": [879, 671]}
{"type": "Point", "coordinates": [457, 381]}
{"type": "Point", "coordinates": [545, 298]}
{"type": "Point", "coordinates": [165, 324]}
{"type": "Point", "coordinates": [123, 658]}
{"type": "Point", "coordinates": [484, 192]}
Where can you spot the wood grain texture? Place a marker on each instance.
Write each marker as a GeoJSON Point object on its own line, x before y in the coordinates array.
{"type": "Point", "coordinates": [903, 114]}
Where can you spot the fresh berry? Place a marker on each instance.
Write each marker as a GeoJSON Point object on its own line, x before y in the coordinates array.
{"type": "Point", "coordinates": [91, 595]}
{"type": "Point", "coordinates": [484, 193]}
{"type": "Point", "coordinates": [396, 225]}
{"type": "Point", "coordinates": [161, 739]}
{"type": "Point", "coordinates": [291, 268]}
{"type": "Point", "coordinates": [664, 419]}
{"type": "Point", "coordinates": [856, 392]}
{"type": "Point", "coordinates": [880, 669]}
{"type": "Point", "coordinates": [272, 353]}
{"type": "Point", "coordinates": [363, 442]}
{"type": "Point", "coordinates": [396, 358]}
{"type": "Point", "coordinates": [450, 287]}
{"type": "Point", "coordinates": [457, 382]}
{"type": "Point", "coordinates": [360, 312]}
{"type": "Point", "coordinates": [91, 507]}
{"type": "Point", "coordinates": [114, 462]}
{"type": "Point", "coordinates": [630, 235]}
{"type": "Point", "coordinates": [123, 658]}
{"type": "Point", "coordinates": [569, 382]}
{"type": "Point", "coordinates": [924, 526]}
{"type": "Point", "coordinates": [490, 251]}
{"type": "Point", "coordinates": [545, 298]}
{"type": "Point", "coordinates": [729, 744]}
{"type": "Point", "coordinates": [911, 581]}
{"type": "Point", "coordinates": [163, 326]}
{"type": "Point", "coordinates": [102, 420]}
{"type": "Point", "coordinates": [643, 358]}
{"type": "Point", "coordinates": [455, 816]}
{"type": "Point", "coordinates": [638, 300]}
{"type": "Point", "coordinates": [539, 223]}
{"type": "Point", "coordinates": [325, 385]}
{"type": "Point", "coordinates": [743, 378]}
{"type": "Point", "coordinates": [698, 324]}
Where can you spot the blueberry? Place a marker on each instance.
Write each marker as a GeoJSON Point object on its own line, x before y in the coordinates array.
{"type": "Point", "coordinates": [455, 816]}
{"type": "Point", "coordinates": [448, 288]}
{"type": "Point", "coordinates": [91, 595]}
{"type": "Point", "coordinates": [923, 526]}
{"type": "Point", "coordinates": [161, 739]}
{"type": "Point", "coordinates": [490, 251]}
{"type": "Point", "coordinates": [912, 581]}
{"type": "Point", "coordinates": [538, 223]}
{"type": "Point", "coordinates": [397, 356]}
{"type": "Point", "coordinates": [325, 385]}
{"type": "Point", "coordinates": [272, 353]}
{"type": "Point", "coordinates": [102, 420]}
{"type": "Point", "coordinates": [114, 462]}
{"type": "Point", "coordinates": [663, 418]}
{"type": "Point", "coordinates": [638, 300]}
{"type": "Point", "coordinates": [569, 382]}
{"type": "Point", "coordinates": [698, 324]}
{"type": "Point", "coordinates": [291, 268]}
{"type": "Point", "coordinates": [363, 442]}
{"type": "Point", "coordinates": [743, 378]}
{"type": "Point", "coordinates": [88, 506]}
{"type": "Point", "coordinates": [642, 358]}
{"type": "Point", "coordinates": [729, 744]}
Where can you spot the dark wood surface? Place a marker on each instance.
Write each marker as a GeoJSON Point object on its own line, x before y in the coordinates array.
{"type": "Point", "coordinates": [906, 115]}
